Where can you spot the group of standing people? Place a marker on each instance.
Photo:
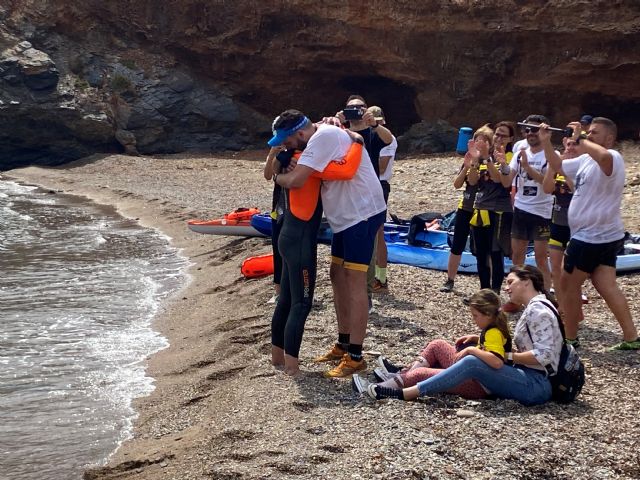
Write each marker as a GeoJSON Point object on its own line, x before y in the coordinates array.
{"type": "Point", "coordinates": [513, 195]}
{"type": "Point", "coordinates": [567, 205]}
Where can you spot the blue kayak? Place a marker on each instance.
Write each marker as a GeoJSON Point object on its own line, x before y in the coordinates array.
{"type": "Point", "coordinates": [262, 223]}
{"type": "Point", "coordinates": [433, 251]}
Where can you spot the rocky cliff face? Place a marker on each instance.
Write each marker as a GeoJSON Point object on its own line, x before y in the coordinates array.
{"type": "Point", "coordinates": [170, 75]}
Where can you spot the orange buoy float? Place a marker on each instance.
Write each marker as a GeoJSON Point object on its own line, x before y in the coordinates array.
{"type": "Point", "coordinates": [256, 267]}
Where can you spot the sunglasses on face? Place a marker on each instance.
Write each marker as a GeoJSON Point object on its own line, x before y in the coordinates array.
{"type": "Point", "coordinates": [531, 129]}
{"type": "Point", "coordinates": [502, 135]}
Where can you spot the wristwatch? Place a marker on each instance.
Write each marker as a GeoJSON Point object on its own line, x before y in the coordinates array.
{"type": "Point", "coordinates": [510, 358]}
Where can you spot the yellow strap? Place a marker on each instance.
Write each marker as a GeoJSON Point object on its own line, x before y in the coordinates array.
{"type": "Point", "coordinates": [480, 218]}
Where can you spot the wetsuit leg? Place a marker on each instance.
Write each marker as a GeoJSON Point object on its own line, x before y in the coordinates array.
{"type": "Point", "coordinates": [298, 245]}
{"type": "Point", "coordinates": [276, 226]}
{"type": "Point", "coordinates": [281, 312]}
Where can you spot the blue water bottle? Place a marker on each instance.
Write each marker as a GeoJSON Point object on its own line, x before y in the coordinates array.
{"type": "Point", "coordinates": [464, 135]}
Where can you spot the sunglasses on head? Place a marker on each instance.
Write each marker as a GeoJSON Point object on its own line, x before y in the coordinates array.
{"type": "Point", "coordinates": [531, 129]}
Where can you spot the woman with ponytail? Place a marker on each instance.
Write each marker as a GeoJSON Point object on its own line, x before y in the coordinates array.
{"type": "Point", "coordinates": [525, 376]}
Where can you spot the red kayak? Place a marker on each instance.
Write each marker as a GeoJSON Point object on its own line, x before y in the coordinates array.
{"type": "Point", "coordinates": [236, 223]}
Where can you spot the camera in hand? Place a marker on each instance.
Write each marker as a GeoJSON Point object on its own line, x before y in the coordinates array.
{"type": "Point", "coordinates": [533, 128]}
{"type": "Point", "coordinates": [353, 113]}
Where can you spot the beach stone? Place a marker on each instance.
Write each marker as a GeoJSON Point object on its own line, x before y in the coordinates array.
{"type": "Point", "coordinates": [428, 137]}
{"type": "Point", "coordinates": [465, 413]}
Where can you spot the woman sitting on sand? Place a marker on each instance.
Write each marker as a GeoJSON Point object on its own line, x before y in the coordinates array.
{"type": "Point", "coordinates": [490, 346]}
{"type": "Point", "coordinates": [538, 341]}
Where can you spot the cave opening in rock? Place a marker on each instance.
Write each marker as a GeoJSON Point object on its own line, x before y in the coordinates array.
{"type": "Point", "coordinates": [395, 98]}
{"type": "Point", "coordinates": [623, 113]}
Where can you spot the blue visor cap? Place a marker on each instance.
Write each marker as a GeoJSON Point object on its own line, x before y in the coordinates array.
{"type": "Point", "coordinates": [280, 135]}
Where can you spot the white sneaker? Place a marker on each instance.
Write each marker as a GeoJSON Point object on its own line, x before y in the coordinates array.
{"type": "Point", "coordinates": [382, 374]}
{"type": "Point", "coordinates": [359, 384]}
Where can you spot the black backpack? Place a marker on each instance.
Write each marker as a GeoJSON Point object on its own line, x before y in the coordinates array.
{"type": "Point", "coordinates": [567, 382]}
{"type": "Point", "coordinates": [417, 224]}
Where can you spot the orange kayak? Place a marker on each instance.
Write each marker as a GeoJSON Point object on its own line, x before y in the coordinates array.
{"type": "Point", "coordinates": [256, 267]}
{"type": "Point", "coordinates": [236, 223]}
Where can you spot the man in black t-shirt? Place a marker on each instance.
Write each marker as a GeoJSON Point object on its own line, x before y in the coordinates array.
{"type": "Point", "coordinates": [376, 136]}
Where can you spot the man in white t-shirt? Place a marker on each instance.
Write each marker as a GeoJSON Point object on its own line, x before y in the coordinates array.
{"type": "Point", "coordinates": [355, 210]}
{"type": "Point", "coordinates": [597, 231]}
{"type": "Point", "coordinates": [532, 206]}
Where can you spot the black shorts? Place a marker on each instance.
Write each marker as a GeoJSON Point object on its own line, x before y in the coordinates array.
{"type": "Point", "coordinates": [560, 235]}
{"type": "Point", "coordinates": [461, 230]}
{"type": "Point", "coordinates": [386, 189]}
{"type": "Point", "coordinates": [589, 256]}
{"type": "Point", "coordinates": [527, 226]}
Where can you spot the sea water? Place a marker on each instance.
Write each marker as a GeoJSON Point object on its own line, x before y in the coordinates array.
{"type": "Point", "coordinates": [79, 288]}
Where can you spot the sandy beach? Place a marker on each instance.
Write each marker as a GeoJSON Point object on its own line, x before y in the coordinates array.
{"type": "Point", "coordinates": [220, 411]}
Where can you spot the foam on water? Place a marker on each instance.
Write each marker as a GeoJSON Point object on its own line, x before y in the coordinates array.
{"type": "Point", "coordinates": [78, 291]}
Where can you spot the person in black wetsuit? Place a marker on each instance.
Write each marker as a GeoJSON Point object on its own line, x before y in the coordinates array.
{"type": "Point", "coordinates": [283, 158]}
{"type": "Point", "coordinates": [298, 244]}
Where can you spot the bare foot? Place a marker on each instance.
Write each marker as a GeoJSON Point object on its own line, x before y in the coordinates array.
{"type": "Point", "coordinates": [293, 372]}
{"type": "Point", "coordinates": [291, 365]}
{"type": "Point", "coordinates": [277, 356]}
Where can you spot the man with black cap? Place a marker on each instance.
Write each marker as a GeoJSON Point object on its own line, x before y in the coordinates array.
{"type": "Point", "coordinates": [585, 122]}
{"type": "Point", "coordinates": [355, 210]}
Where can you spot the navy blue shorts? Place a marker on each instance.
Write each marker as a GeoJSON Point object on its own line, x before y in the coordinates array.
{"type": "Point", "coordinates": [353, 248]}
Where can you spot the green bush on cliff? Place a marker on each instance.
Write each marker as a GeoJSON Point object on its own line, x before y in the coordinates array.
{"type": "Point", "coordinates": [81, 84]}
{"type": "Point", "coordinates": [120, 83]}
{"type": "Point", "coordinates": [130, 64]}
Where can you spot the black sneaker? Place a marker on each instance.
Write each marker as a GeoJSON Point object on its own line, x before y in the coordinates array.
{"type": "Point", "coordinates": [447, 287]}
{"type": "Point", "coordinates": [378, 392]}
{"type": "Point", "coordinates": [385, 364]}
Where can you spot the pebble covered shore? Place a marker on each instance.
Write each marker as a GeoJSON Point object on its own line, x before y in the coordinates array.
{"type": "Point", "coordinates": [220, 411]}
